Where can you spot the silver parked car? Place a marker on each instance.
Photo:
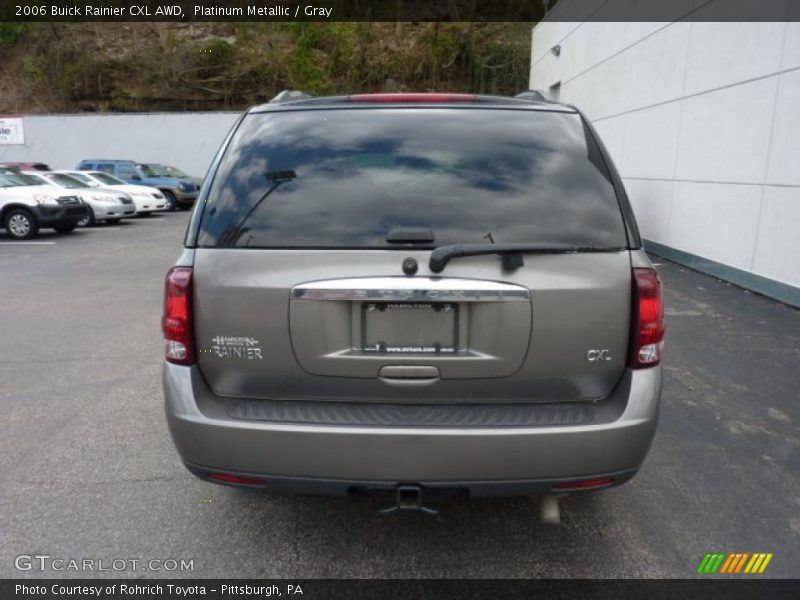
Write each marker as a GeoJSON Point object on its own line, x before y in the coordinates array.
{"type": "Point", "coordinates": [146, 199]}
{"type": "Point", "coordinates": [412, 293]}
{"type": "Point", "coordinates": [105, 204]}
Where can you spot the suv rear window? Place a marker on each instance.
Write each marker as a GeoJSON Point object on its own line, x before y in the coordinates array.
{"type": "Point", "coordinates": [344, 178]}
{"type": "Point", "coordinates": [127, 171]}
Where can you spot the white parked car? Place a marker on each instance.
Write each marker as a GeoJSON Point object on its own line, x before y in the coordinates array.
{"type": "Point", "coordinates": [26, 207]}
{"type": "Point", "coordinates": [106, 204]}
{"type": "Point", "coordinates": [147, 199]}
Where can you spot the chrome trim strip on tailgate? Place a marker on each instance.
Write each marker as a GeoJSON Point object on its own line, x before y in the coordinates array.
{"type": "Point", "coordinates": [411, 289]}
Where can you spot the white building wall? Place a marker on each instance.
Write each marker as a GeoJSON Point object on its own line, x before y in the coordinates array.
{"type": "Point", "coordinates": [188, 141]}
{"type": "Point", "coordinates": [703, 122]}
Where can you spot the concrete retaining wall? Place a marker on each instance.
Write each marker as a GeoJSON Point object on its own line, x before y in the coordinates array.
{"type": "Point", "coordinates": [188, 141]}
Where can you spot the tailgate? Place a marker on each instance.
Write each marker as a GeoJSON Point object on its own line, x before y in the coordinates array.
{"type": "Point", "coordinates": [346, 325]}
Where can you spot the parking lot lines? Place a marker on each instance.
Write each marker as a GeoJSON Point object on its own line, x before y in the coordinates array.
{"type": "Point", "coordinates": [21, 243]}
{"type": "Point", "coordinates": [95, 229]}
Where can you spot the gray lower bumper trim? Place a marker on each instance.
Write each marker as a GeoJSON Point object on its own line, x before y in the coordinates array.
{"type": "Point", "coordinates": [341, 487]}
{"type": "Point", "coordinates": [401, 415]}
{"type": "Point", "coordinates": [205, 434]}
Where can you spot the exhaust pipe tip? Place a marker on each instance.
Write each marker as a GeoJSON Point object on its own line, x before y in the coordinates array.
{"type": "Point", "coordinates": [549, 511]}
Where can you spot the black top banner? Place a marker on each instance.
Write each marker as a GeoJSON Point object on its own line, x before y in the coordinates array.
{"type": "Point", "coordinates": [398, 10]}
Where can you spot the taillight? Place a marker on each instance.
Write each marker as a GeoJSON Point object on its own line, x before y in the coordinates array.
{"type": "Point", "coordinates": [583, 484]}
{"type": "Point", "coordinates": [414, 97]}
{"type": "Point", "coordinates": [647, 340]}
{"type": "Point", "coordinates": [176, 322]}
{"type": "Point", "coordinates": [236, 479]}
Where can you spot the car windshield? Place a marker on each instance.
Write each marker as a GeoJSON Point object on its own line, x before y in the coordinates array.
{"type": "Point", "coordinates": [13, 178]}
{"type": "Point", "coordinates": [66, 181]}
{"type": "Point", "coordinates": [175, 172]}
{"type": "Point", "coordinates": [344, 178]}
{"type": "Point", "coordinates": [84, 178]}
{"type": "Point", "coordinates": [37, 179]}
{"type": "Point", "coordinates": [107, 179]}
{"type": "Point", "coordinates": [152, 170]}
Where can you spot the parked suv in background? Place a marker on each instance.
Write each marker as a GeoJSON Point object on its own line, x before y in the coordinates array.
{"type": "Point", "coordinates": [413, 293]}
{"type": "Point", "coordinates": [171, 171]}
{"type": "Point", "coordinates": [26, 206]}
{"type": "Point", "coordinates": [178, 192]}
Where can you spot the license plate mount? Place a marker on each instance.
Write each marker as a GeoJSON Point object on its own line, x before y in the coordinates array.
{"type": "Point", "coordinates": [409, 328]}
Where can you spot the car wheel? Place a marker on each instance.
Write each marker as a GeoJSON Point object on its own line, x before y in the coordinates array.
{"type": "Point", "coordinates": [21, 224]}
{"type": "Point", "coordinates": [88, 220]}
{"type": "Point", "coordinates": [65, 228]}
{"type": "Point", "coordinates": [172, 203]}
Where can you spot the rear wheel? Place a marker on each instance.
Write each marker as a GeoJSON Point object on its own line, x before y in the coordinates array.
{"type": "Point", "coordinates": [65, 228]}
{"type": "Point", "coordinates": [88, 220]}
{"type": "Point", "coordinates": [172, 203]}
{"type": "Point", "coordinates": [21, 224]}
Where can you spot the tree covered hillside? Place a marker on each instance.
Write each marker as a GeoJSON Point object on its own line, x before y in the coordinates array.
{"type": "Point", "coordinates": [59, 67]}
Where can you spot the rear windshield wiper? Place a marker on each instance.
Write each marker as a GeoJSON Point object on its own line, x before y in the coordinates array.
{"type": "Point", "coordinates": [230, 236]}
{"type": "Point", "coordinates": [511, 253]}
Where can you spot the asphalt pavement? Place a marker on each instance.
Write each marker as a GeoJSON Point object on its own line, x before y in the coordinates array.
{"type": "Point", "coordinates": [88, 471]}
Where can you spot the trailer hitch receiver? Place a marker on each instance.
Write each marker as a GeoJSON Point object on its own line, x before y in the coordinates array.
{"type": "Point", "coordinates": [409, 497]}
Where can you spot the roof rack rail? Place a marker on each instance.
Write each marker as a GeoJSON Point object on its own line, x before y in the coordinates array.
{"type": "Point", "coordinates": [290, 95]}
{"type": "Point", "coordinates": [533, 95]}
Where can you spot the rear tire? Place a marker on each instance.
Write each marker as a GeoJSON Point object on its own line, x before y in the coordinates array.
{"type": "Point", "coordinates": [172, 202]}
{"type": "Point", "coordinates": [65, 228]}
{"type": "Point", "coordinates": [20, 224]}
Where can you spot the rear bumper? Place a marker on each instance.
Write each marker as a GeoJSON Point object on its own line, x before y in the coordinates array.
{"type": "Point", "coordinates": [485, 460]}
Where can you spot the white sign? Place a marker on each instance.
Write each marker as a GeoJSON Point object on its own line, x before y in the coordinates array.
{"type": "Point", "coordinates": [11, 131]}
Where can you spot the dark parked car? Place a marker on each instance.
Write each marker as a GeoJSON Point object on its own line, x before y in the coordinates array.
{"type": "Point", "coordinates": [418, 294]}
{"type": "Point", "coordinates": [25, 166]}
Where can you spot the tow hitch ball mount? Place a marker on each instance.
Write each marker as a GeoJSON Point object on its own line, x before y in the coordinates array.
{"type": "Point", "coordinates": [409, 497]}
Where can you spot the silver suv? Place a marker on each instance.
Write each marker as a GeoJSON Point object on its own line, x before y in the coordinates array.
{"type": "Point", "coordinates": [414, 293]}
